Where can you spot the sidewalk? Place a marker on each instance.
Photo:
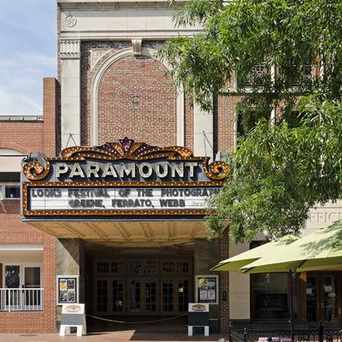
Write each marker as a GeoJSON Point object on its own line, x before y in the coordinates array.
{"type": "Point", "coordinates": [122, 336]}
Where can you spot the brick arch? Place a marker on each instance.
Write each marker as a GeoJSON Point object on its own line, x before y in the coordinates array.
{"type": "Point", "coordinates": [137, 98]}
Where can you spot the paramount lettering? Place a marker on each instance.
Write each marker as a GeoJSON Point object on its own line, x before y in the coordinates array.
{"type": "Point", "coordinates": [128, 170]}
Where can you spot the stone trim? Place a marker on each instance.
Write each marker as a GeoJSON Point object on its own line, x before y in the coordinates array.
{"type": "Point", "coordinates": [69, 49]}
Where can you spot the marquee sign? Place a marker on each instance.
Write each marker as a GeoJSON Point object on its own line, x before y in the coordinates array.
{"type": "Point", "coordinates": [124, 178]}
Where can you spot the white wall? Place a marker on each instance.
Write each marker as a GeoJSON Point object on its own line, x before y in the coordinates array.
{"type": "Point", "coordinates": [323, 216]}
{"type": "Point", "coordinates": [239, 287]}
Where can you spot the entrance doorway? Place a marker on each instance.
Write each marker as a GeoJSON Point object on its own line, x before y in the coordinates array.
{"type": "Point", "coordinates": [142, 285]}
{"type": "Point", "coordinates": [321, 297]}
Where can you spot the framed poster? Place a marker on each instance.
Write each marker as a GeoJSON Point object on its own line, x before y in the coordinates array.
{"type": "Point", "coordinates": [207, 289]}
{"type": "Point", "coordinates": [67, 289]}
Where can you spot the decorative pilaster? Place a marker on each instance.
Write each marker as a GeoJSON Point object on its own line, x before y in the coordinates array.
{"type": "Point", "coordinates": [70, 78]}
{"type": "Point", "coordinates": [203, 132]}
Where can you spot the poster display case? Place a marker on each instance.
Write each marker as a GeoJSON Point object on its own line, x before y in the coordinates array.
{"type": "Point", "coordinates": [207, 289]}
{"type": "Point", "coordinates": [67, 289]}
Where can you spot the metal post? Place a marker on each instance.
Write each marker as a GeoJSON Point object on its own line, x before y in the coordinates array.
{"type": "Point", "coordinates": [292, 297]}
{"type": "Point", "coordinates": [230, 330]}
{"type": "Point", "coordinates": [245, 335]}
{"type": "Point", "coordinates": [321, 332]}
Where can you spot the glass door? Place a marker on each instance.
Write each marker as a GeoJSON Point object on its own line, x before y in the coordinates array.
{"type": "Point", "coordinates": [143, 296]}
{"type": "Point", "coordinates": [328, 297]}
{"type": "Point", "coordinates": [135, 296]}
{"type": "Point", "coordinates": [12, 276]}
{"type": "Point", "coordinates": [118, 295]}
{"type": "Point", "coordinates": [101, 295]}
{"type": "Point", "coordinates": [32, 296]}
{"type": "Point", "coordinates": [12, 282]}
{"type": "Point", "coordinates": [311, 298]}
{"type": "Point", "coordinates": [150, 296]}
{"type": "Point", "coordinates": [321, 297]}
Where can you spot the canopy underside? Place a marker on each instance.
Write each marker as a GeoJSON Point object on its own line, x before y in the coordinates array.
{"type": "Point", "coordinates": [126, 233]}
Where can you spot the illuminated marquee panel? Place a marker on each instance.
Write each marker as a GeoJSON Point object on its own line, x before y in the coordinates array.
{"type": "Point", "coordinates": [126, 178]}
{"type": "Point", "coordinates": [120, 198]}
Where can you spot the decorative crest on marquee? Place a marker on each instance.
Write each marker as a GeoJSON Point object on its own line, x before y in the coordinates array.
{"type": "Point", "coordinates": [126, 149]}
{"type": "Point", "coordinates": [37, 167]}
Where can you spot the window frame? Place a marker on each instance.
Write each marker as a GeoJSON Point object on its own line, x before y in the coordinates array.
{"type": "Point", "coordinates": [3, 186]}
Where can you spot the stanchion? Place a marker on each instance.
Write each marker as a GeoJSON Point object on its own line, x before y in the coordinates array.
{"type": "Point", "coordinates": [320, 332]}
{"type": "Point", "coordinates": [245, 335]}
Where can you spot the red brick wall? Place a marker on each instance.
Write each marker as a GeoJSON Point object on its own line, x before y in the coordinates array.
{"type": "Point", "coordinates": [226, 118]}
{"type": "Point", "coordinates": [24, 137]}
{"type": "Point", "coordinates": [137, 98]}
{"type": "Point", "coordinates": [27, 137]}
{"type": "Point", "coordinates": [51, 106]}
{"type": "Point", "coordinates": [34, 136]}
{"type": "Point", "coordinates": [88, 70]}
{"type": "Point", "coordinates": [189, 122]}
{"type": "Point", "coordinates": [13, 231]}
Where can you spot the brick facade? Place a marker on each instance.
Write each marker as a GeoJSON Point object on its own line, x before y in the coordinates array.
{"type": "Point", "coordinates": [13, 231]}
{"type": "Point", "coordinates": [226, 109]}
{"type": "Point", "coordinates": [137, 99]}
{"type": "Point", "coordinates": [34, 136]}
{"type": "Point", "coordinates": [27, 137]}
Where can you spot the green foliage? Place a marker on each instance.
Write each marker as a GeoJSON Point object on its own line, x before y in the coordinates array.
{"type": "Point", "coordinates": [280, 172]}
{"type": "Point", "coordinates": [281, 50]}
{"type": "Point", "coordinates": [241, 34]}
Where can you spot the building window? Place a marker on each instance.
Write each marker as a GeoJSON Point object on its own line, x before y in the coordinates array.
{"type": "Point", "coordinates": [10, 191]}
{"type": "Point", "coordinates": [269, 295]}
{"type": "Point", "coordinates": [102, 267]}
{"type": "Point", "coordinates": [258, 76]}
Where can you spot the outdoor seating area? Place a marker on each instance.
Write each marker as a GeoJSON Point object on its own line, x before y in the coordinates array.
{"type": "Point", "coordinates": [282, 332]}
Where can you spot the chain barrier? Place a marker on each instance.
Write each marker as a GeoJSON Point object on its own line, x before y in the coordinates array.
{"type": "Point", "coordinates": [139, 322]}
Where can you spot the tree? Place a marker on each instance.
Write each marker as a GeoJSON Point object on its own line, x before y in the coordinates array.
{"type": "Point", "coordinates": [280, 172]}
{"type": "Point", "coordinates": [283, 50]}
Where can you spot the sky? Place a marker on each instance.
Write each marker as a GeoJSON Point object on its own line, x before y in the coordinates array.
{"type": "Point", "coordinates": [27, 53]}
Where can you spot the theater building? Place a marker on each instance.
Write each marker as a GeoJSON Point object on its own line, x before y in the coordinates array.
{"type": "Point", "coordinates": [116, 177]}
{"type": "Point", "coordinates": [117, 223]}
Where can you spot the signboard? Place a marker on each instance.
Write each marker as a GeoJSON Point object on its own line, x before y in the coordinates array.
{"type": "Point", "coordinates": [67, 289]}
{"type": "Point", "coordinates": [207, 289]}
{"type": "Point", "coordinates": [120, 198]}
{"type": "Point", "coordinates": [73, 309]}
{"type": "Point", "coordinates": [198, 316]}
{"type": "Point", "coordinates": [198, 307]}
{"type": "Point", "coordinates": [124, 178]}
{"type": "Point", "coordinates": [73, 315]}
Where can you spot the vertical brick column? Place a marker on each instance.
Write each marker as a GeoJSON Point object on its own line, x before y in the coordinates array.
{"type": "Point", "coordinates": [50, 109]}
{"type": "Point", "coordinates": [224, 285]}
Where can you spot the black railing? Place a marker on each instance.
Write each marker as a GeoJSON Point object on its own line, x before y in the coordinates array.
{"type": "Point", "coordinates": [296, 334]}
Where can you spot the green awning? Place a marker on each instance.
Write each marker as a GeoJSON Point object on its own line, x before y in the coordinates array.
{"type": "Point", "coordinates": [321, 250]}
{"type": "Point", "coordinates": [235, 263]}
